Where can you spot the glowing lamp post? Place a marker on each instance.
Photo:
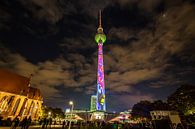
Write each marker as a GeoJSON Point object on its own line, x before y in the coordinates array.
{"type": "Point", "coordinates": [49, 114]}
{"type": "Point", "coordinates": [72, 106]}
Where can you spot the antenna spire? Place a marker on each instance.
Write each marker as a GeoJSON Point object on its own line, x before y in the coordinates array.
{"type": "Point", "coordinates": [100, 19]}
{"type": "Point", "coordinates": [100, 29]}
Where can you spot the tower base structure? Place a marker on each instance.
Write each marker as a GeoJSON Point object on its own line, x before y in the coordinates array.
{"type": "Point", "coordinates": [98, 116]}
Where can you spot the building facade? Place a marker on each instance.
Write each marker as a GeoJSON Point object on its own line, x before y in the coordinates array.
{"type": "Point", "coordinates": [93, 103]}
{"type": "Point", "coordinates": [17, 97]}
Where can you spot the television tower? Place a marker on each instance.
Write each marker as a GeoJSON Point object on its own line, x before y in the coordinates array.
{"type": "Point", "coordinates": [100, 39]}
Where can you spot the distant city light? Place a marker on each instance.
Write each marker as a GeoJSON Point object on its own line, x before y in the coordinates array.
{"type": "Point", "coordinates": [67, 110]}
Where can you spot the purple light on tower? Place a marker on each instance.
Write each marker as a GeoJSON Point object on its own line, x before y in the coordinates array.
{"type": "Point", "coordinates": [100, 39]}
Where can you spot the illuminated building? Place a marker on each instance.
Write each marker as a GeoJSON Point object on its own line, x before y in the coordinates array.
{"type": "Point", "coordinates": [17, 97]}
{"type": "Point", "coordinates": [100, 39]}
{"type": "Point", "coordinates": [93, 103]}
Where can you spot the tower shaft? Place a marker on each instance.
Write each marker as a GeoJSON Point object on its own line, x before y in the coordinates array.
{"type": "Point", "coordinates": [100, 105]}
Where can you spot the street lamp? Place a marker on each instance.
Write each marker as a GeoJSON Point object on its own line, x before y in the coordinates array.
{"type": "Point", "coordinates": [49, 114]}
{"type": "Point", "coordinates": [72, 106]}
{"type": "Point", "coordinates": [71, 102]}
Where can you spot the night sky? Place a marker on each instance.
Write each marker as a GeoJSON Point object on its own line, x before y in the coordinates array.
{"type": "Point", "coordinates": [149, 53]}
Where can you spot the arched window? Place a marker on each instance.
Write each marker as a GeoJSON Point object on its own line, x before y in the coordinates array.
{"type": "Point", "coordinates": [36, 110]}
{"type": "Point", "coordinates": [3, 103]}
{"type": "Point", "coordinates": [16, 106]}
{"type": "Point", "coordinates": [4, 97]}
{"type": "Point", "coordinates": [31, 109]}
{"type": "Point", "coordinates": [23, 109]}
{"type": "Point", "coordinates": [9, 103]}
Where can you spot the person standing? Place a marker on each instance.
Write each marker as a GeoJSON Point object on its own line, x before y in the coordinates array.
{"type": "Point", "coordinates": [24, 123]}
{"type": "Point", "coordinates": [44, 123]}
{"type": "Point", "coordinates": [50, 122]}
{"type": "Point", "coordinates": [15, 123]}
{"type": "Point", "coordinates": [63, 124]}
{"type": "Point", "coordinates": [28, 122]}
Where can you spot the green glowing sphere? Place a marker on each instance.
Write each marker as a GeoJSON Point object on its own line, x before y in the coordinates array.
{"type": "Point", "coordinates": [100, 38]}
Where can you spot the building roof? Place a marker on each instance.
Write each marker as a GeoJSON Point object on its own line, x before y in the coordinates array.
{"type": "Point", "coordinates": [12, 82]}
{"type": "Point", "coordinates": [34, 93]}
{"type": "Point", "coordinates": [17, 84]}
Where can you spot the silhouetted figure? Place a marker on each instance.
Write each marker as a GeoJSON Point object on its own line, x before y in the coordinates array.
{"type": "Point", "coordinates": [115, 125]}
{"type": "Point", "coordinates": [47, 122]}
{"type": "Point", "coordinates": [40, 121]}
{"type": "Point", "coordinates": [179, 126]}
{"type": "Point", "coordinates": [126, 126]}
{"type": "Point", "coordinates": [44, 123]}
{"type": "Point", "coordinates": [50, 122]}
{"type": "Point", "coordinates": [15, 123]}
{"type": "Point", "coordinates": [1, 120]}
{"type": "Point", "coordinates": [24, 123]}
{"type": "Point", "coordinates": [28, 122]}
{"type": "Point", "coordinates": [54, 123]}
{"type": "Point", "coordinates": [63, 124]}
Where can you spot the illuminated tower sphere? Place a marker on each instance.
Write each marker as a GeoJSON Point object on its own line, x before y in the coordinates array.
{"type": "Point", "coordinates": [100, 39]}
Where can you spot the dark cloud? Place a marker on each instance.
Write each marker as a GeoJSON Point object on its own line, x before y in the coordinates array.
{"type": "Point", "coordinates": [49, 10]}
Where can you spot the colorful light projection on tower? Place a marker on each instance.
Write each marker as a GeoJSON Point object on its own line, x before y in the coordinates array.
{"type": "Point", "coordinates": [100, 39]}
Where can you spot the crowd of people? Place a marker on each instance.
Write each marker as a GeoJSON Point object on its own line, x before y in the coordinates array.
{"type": "Point", "coordinates": [118, 125]}
{"type": "Point", "coordinates": [48, 123]}
{"type": "Point", "coordinates": [24, 123]}
{"type": "Point", "coordinates": [104, 125]}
